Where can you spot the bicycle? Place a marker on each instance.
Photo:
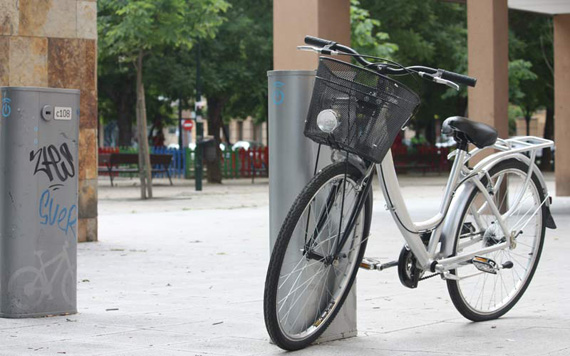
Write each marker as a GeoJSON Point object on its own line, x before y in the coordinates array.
{"type": "Point", "coordinates": [485, 241]}
{"type": "Point", "coordinates": [30, 286]}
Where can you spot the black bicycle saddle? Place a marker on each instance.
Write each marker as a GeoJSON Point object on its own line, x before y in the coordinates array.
{"type": "Point", "coordinates": [479, 134]}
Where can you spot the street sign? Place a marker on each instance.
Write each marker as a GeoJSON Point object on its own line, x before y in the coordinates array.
{"type": "Point", "coordinates": [188, 125]}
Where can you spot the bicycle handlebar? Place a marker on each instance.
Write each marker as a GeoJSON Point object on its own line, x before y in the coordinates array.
{"type": "Point", "coordinates": [458, 78]}
{"type": "Point", "coordinates": [329, 46]}
{"type": "Point", "coordinates": [318, 42]}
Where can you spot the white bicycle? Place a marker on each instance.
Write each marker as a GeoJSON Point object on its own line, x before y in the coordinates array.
{"type": "Point", "coordinates": [485, 241]}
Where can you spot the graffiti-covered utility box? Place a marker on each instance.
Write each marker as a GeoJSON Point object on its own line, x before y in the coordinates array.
{"type": "Point", "coordinates": [38, 201]}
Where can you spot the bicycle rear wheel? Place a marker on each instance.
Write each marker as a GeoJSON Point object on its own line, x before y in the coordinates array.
{"type": "Point", "coordinates": [304, 287]}
{"type": "Point", "coordinates": [481, 296]}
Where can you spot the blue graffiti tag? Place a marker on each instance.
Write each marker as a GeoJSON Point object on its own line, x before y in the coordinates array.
{"type": "Point", "coordinates": [6, 109]}
{"type": "Point", "coordinates": [278, 94]}
{"type": "Point", "coordinates": [64, 218]}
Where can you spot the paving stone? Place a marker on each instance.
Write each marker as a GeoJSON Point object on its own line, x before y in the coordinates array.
{"type": "Point", "coordinates": [185, 273]}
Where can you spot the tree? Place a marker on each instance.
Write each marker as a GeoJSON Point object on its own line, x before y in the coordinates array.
{"type": "Point", "coordinates": [434, 33]}
{"type": "Point", "coordinates": [133, 29]}
{"type": "Point", "coordinates": [531, 39]}
{"type": "Point", "coordinates": [521, 78]}
{"type": "Point", "coordinates": [116, 91]}
{"type": "Point", "coordinates": [366, 36]}
{"type": "Point", "coordinates": [234, 67]}
{"type": "Point", "coordinates": [169, 75]}
{"type": "Point", "coordinates": [431, 33]}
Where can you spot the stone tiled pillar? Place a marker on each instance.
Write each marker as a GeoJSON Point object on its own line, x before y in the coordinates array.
{"type": "Point", "coordinates": [562, 102]}
{"type": "Point", "coordinates": [487, 39]}
{"type": "Point", "coordinates": [53, 43]}
{"type": "Point", "coordinates": [293, 19]}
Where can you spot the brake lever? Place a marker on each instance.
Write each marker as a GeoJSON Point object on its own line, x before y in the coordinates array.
{"type": "Point", "coordinates": [439, 80]}
{"type": "Point", "coordinates": [317, 50]}
{"type": "Point", "coordinates": [449, 83]}
{"type": "Point", "coordinates": [308, 48]}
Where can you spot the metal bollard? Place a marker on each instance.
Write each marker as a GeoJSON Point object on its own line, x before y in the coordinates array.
{"type": "Point", "coordinates": [38, 197]}
{"type": "Point", "coordinates": [291, 165]}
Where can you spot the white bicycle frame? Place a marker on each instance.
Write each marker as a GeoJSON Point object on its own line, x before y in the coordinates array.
{"type": "Point", "coordinates": [444, 226]}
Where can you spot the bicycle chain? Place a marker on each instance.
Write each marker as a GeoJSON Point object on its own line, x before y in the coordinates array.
{"type": "Point", "coordinates": [430, 276]}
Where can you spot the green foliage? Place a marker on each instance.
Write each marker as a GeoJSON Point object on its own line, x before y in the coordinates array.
{"type": "Point", "coordinates": [531, 85]}
{"type": "Point", "coordinates": [519, 72]}
{"type": "Point", "coordinates": [431, 33]}
{"type": "Point", "coordinates": [514, 113]}
{"type": "Point", "coordinates": [165, 30]}
{"type": "Point", "coordinates": [365, 34]}
{"type": "Point", "coordinates": [434, 33]}
{"type": "Point", "coordinates": [235, 63]}
{"type": "Point", "coordinates": [127, 26]}
{"type": "Point", "coordinates": [171, 73]}
{"type": "Point", "coordinates": [426, 31]}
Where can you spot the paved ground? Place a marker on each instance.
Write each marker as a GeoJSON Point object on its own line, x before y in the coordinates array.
{"type": "Point", "coordinates": [183, 275]}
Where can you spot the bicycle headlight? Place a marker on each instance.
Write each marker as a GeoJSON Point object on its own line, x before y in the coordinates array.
{"type": "Point", "coordinates": [327, 120]}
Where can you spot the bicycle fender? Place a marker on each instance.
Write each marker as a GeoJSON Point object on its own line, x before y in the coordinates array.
{"type": "Point", "coordinates": [453, 218]}
{"type": "Point", "coordinates": [490, 161]}
{"type": "Point", "coordinates": [526, 160]}
{"type": "Point", "coordinates": [461, 198]}
{"type": "Point", "coordinates": [549, 219]}
{"type": "Point", "coordinates": [337, 156]}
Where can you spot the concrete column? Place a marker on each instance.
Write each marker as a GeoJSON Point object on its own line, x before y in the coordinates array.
{"type": "Point", "coordinates": [293, 19]}
{"type": "Point", "coordinates": [561, 102]}
{"type": "Point", "coordinates": [488, 39]}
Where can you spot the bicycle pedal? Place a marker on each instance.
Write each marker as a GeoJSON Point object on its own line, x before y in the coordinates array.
{"type": "Point", "coordinates": [485, 264]}
{"type": "Point", "coordinates": [369, 263]}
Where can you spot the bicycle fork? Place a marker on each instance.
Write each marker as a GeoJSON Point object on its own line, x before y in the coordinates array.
{"type": "Point", "coordinates": [363, 188]}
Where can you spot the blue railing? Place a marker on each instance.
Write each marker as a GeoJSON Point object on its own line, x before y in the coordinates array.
{"type": "Point", "coordinates": [177, 165]}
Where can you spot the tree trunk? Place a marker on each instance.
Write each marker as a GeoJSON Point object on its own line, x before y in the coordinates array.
{"type": "Point", "coordinates": [548, 134]}
{"type": "Point", "coordinates": [461, 105]}
{"type": "Point", "coordinates": [430, 132]}
{"type": "Point", "coordinates": [527, 120]}
{"type": "Point", "coordinates": [148, 167]}
{"type": "Point", "coordinates": [123, 98]}
{"type": "Point", "coordinates": [144, 158]}
{"type": "Point", "coordinates": [215, 107]}
{"type": "Point", "coordinates": [142, 175]}
{"type": "Point", "coordinates": [125, 118]}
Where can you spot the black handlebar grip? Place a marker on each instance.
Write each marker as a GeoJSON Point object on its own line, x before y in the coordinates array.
{"type": "Point", "coordinates": [317, 42]}
{"type": "Point", "coordinates": [458, 78]}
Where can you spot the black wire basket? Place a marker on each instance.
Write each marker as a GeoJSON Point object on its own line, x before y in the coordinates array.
{"type": "Point", "coordinates": [358, 110]}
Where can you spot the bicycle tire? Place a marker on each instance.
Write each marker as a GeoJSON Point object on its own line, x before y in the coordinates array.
{"type": "Point", "coordinates": [68, 283]}
{"type": "Point", "coordinates": [322, 311]}
{"type": "Point", "coordinates": [26, 289]}
{"type": "Point", "coordinates": [458, 290]}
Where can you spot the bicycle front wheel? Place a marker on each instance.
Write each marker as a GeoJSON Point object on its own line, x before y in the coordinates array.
{"type": "Point", "coordinates": [305, 286]}
{"type": "Point", "coordinates": [481, 296]}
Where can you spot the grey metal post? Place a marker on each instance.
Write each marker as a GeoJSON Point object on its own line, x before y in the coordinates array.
{"type": "Point", "coordinates": [38, 201]}
{"type": "Point", "coordinates": [291, 165]}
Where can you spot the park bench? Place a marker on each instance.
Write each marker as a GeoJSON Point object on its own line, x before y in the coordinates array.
{"type": "Point", "coordinates": [114, 163]}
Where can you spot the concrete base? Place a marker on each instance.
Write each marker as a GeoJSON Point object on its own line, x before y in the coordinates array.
{"type": "Point", "coordinates": [345, 324]}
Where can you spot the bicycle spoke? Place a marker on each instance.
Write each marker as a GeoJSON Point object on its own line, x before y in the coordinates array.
{"type": "Point", "coordinates": [309, 282]}
{"type": "Point", "coordinates": [488, 293]}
